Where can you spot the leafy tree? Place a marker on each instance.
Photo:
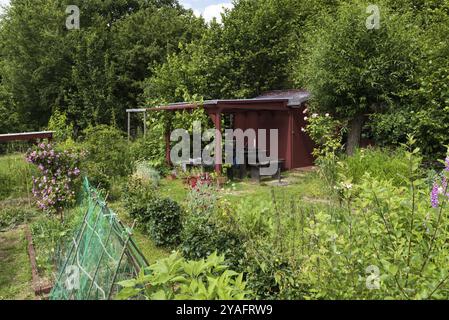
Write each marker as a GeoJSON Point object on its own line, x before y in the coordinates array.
{"type": "Point", "coordinates": [250, 52]}
{"type": "Point", "coordinates": [144, 40]}
{"type": "Point", "coordinates": [353, 71]}
{"type": "Point", "coordinates": [426, 116]}
{"type": "Point", "coordinates": [34, 60]}
{"type": "Point", "coordinates": [91, 74]}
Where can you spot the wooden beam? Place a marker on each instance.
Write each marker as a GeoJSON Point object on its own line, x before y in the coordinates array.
{"type": "Point", "coordinates": [26, 136]}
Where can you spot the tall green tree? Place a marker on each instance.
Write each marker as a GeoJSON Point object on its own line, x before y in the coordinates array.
{"type": "Point", "coordinates": [426, 115]}
{"type": "Point", "coordinates": [92, 74]}
{"type": "Point", "coordinates": [250, 52]}
{"type": "Point", "coordinates": [353, 71]}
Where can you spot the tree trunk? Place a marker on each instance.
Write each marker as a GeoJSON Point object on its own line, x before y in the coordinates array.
{"type": "Point", "coordinates": [354, 134]}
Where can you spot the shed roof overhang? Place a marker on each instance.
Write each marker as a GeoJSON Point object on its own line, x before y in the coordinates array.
{"type": "Point", "coordinates": [270, 101]}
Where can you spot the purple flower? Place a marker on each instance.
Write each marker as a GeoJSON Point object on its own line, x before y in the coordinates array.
{"type": "Point", "coordinates": [434, 196]}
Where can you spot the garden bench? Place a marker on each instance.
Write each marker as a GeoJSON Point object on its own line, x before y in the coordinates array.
{"type": "Point", "coordinates": [256, 169]}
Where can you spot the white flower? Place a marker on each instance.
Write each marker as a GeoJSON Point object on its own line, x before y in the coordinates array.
{"type": "Point", "coordinates": [315, 115]}
{"type": "Point", "coordinates": [303, 130]}
{"type": "Point", "coordinates": [305, 118]}
{"type": "Point", "coordinates": [305, 110]}
{"type": "Point", "coordinates": [347, 185]}
{"type": "Point", "coordinates": [327, 115]}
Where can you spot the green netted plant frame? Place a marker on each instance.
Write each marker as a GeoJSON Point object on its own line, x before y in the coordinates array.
{"type": "Point", "coordinates": [100, 254]}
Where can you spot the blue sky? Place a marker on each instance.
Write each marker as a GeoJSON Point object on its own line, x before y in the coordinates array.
{"type": "Point", "coordinates": [207, 8]}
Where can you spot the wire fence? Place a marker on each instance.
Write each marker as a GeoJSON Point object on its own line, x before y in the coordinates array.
{"type": "Point", "coordinates": [101, 253]}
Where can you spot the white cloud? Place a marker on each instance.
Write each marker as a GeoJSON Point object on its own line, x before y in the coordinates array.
{"type": "Point", "coordinates": [187, 5]}
{"type": "Point", "coordinates": [4, 3]}
{"type": "Point", "coordinates": [215, 10]}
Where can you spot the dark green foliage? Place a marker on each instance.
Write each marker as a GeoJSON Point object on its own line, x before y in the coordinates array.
{"type": "Point", "coordinates": [209, 226]}
{"type": "Point", "coordinates": [270, 273]}
{"type": "Point", "coordinates": [381, 164]}
{"type": "Point", "coordinates": [150, 149]}
{"type": "Point", "coordinates": [353, 71]}
{"type": "Point", "coordinates": [157, 216]}
{"type": "Point", "coordinates": [108, 155]}
{"type": "Point", "coordinates": [164, 221]}
{"type": "Point", "coordinates": [249, 53]}
{"type": "Point", "coordinates": [136, 196]}
{"type": "Point", "coordinates": [94, 73]}
{"type": "Point", "coordinates": [201, 237]}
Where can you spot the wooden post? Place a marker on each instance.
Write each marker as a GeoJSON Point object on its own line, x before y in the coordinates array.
{"type": "Point", "coordinates": [218, 146]}
{"type": "Point", "coordinates": [289, 160]}
{"type": "Point", "coordinates": [167, 147]}
{"type": "Point", "coordinates": [145, 124]}
{"type": "Point", "coordinates": [129, 126]}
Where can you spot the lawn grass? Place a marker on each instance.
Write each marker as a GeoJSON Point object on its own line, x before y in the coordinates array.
{"type": "Point", "coordinates": [15, 176]}
{"type": "Point", "coordinates": [305, 186]}
{"type": "Point", "coordinates": [15, 269]}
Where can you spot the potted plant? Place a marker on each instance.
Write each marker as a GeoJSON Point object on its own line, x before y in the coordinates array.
{"type": "Point", "coordinates": [220, 179]}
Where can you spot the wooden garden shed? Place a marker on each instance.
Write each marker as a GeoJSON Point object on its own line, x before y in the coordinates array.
{"type": "Point", "coordinates": [282, 110]}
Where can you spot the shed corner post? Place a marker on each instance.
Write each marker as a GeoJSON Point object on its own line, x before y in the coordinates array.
{"type": "Point", "coordinates": [216, 117]}
{"type": "Point", "coordinates": [145, 124]}
{"type": "Point", "coordinates": [289, 160]}
{"type": "Point", "coordinates": [129, 126]}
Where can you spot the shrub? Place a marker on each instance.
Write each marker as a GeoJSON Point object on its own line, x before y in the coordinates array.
{"type": "Point", "coordinates": [210, 226]}
{"type": "Point", "coordinates": [164, 221]}
{"type": "Point", "coordinates": [327, 134]}
{"type": "Point", "coordinates": [146, 173]}
{"type": "Point", "coordinates": [385, 242]}
{"type": "Point", "coordinates": [175, 278]}
{"type": "Point", "coordinates": [151, 149]}
{"type": "Point", "coordinates": [55, 188]}
{"type": "Point", "coordinates": [378, 163]}
{"type": "Point", "coordinates": [137, 195]}
{"type": "Point", "coordinates": [108, 155]}
{"type": "Point", "coordinates": [159, 217]}
{"type": "Point", "coordinates": [271, 274]}
{"type": "Point", "coordinates": [59, 123]}
{"type": "Point", "coordinates": [273, 258]}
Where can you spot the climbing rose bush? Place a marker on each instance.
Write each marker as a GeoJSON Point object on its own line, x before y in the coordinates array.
{"type": "Point", "coordinates": [54, 188]}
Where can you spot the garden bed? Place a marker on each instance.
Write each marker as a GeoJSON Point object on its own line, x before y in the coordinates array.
{"type": "Point", "coordinates": [41, 285]}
